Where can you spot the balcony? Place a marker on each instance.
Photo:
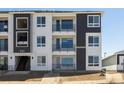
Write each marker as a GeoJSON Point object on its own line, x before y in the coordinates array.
{"type": "Point", "coordinates": [66, 29]}
{"type": "Point", "coordinates": [63, 47]}
{"type": "Point", "coordinates": [63, 50]}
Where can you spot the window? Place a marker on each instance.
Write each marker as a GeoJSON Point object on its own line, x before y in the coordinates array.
{"type": "Point", "coordinates": [41, 60]}
{"type": "Point", "coordinates": [93, 41]}
{"type": "Point", "coordinates": [41, 41]}
{"type": "Point", "coordinates": [67, 43]}
{"type": "Point", "coordinates": [3, 25]}
{"type": "Point", "coordinates": [3, 63]}
{"type": "Point", "coordinates": [21, 23]}
{"type": "Point", "coordinates": [3, 44]}
{"type": "Point", "coordinates": [22, 38]}
{"type": "Point", "coordinates": [68, 62]}
{"type": "Point", "coordinates": [93, 61]}
{"type": "Point", "coordinates": [93, 21]}
{"type": "Point", "coordinates": [67, 24]}
{"type": "Point", "coordinates": [41, 21]}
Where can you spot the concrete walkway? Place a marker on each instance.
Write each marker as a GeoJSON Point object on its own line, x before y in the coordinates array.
{"type": "Point", "coordinates": [17, 72]}
{"type": "Point", "coordinates": [50, 78]}
{"type": "Point", "coordinates": [87, 82]}
{"type": "Point", "coordinates": [114, 78]}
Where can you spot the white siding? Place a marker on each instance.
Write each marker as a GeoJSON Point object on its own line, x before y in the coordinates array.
{"type": "Point", "coordinates": [93, 51]}
{"type": "Point", "coordinates": [42, 51]}
{"type": "Point", "coordinates": [11, 56]}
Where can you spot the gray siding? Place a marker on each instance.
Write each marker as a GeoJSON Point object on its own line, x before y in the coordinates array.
{"type": "Point", "coordinates": [21, 49]}
{"type": "Point", "coordinates": [112, 60]}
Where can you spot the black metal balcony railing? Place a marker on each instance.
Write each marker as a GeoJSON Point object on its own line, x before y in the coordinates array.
{"type": "Point", "coordinates": [63, 28]}
{"type": "Point", "coordinates": [63, 48]}
{"type": "Point", "coordinates": [63, 66]}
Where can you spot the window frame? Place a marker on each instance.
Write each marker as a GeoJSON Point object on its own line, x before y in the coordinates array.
{"type": "Point", "coordinates": [63, 27]}
{"type": "Point", "coordinates": [17, 22]}
{"type": "Point", "coordinates": [93, 44]}
{"type": "Point", "coordinates": [93, 24]}
{"type": "Point", "coordinates": [93, 64]}
{"type": "Point", "coordinates": [3, 44]}
{"type": "Point", "coordinates": [67, 65]}
{"type": "Point", "coordinates": [41, 61]}
{"type": "Point", "coordinates": [41, 44]}
{"type": "Point", "coordinates": [41, 24]}
{"type": "Point", "coordinates": [17, 38]}
{"type": "Point", "coordinates": [64, 46]}
{"type": "Point", "coordinates": [5, 26]}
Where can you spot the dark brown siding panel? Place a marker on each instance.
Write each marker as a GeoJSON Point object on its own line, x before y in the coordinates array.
{"type": "Point", "coordinates": [82, 28]}
{"type": "Point", "coordinates": [81, 59]}
{"type": "Point", "coordinates": [21, 49]}
{"type": "Point", "coordinates": [81, 19]}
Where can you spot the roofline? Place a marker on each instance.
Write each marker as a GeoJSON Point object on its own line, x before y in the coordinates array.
{"type": "Point", "coordinates": [116, 53]}
{"type": "Point", "coordinates": [109, 56]}
{"type": "Point", "coordinates": [47, 11]}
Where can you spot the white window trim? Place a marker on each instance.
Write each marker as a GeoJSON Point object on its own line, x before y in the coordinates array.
{"type": "Point", "coordinates": [93, 20]}
{"type": "Point", "coordinates": [93, 44]}
{"type": "Point", "coordinates": [93, 61]}
{"type": "Point", "coordinates": [23, 42]}
{"type": "Point", "coordinates": [21, 18]}
{"type": "Point", "coordinates": [41, 25]}
{"type": "Point", "coordinates": [41, 44]}
{"type": "Point", "coordinates": [40, 63]}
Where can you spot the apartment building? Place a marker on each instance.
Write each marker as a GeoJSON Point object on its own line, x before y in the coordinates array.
{"type": "Point", "coordinates": [50, 40]}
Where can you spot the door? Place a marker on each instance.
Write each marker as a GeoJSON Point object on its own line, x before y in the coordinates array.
{"type": "Point", "coordinates": [57, 25]}
{"type": "Point", "coordinates": [58, 44]}
{"type": "Point", "coordinates": [57, 63]}
{"type": "Point", "coordinates": [23, 63]}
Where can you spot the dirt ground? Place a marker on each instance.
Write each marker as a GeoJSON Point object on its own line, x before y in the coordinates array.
{"type": "Point", "coordinates": [80, 77]}
{"type": "Point", "coordinates": [42, 77]}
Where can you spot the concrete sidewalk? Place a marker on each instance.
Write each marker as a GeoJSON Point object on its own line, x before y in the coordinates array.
{"type": "Point", "coordinates": [87, 82]}
{"type": "Point", "coordinates": [50, 78]}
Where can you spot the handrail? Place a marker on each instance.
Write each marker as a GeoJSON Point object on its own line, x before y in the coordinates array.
{"type": "Point", "coordinates": [56, 47]}
{"type": "Point", "coordinates": [61, 28]}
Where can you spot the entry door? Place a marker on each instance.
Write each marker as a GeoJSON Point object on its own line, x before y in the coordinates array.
{"type": "Point", "coordinates": [58, 44]}
{"type": "Point", "coordinates": [57, 25]}
{"type": "Point", "coordinates": [58, 63]}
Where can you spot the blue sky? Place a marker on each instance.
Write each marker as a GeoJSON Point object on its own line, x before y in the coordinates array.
{"type": "Point", "coordinates": [112, 27]}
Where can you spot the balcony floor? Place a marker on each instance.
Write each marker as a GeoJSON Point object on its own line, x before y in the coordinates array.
{"type": "Point", "coordinates": [71, 33]}
{"type": "Point", "coordinates": [64, 52]}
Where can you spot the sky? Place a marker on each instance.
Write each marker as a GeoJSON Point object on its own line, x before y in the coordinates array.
{"type": "Point", "coordinates": [112, 26]}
